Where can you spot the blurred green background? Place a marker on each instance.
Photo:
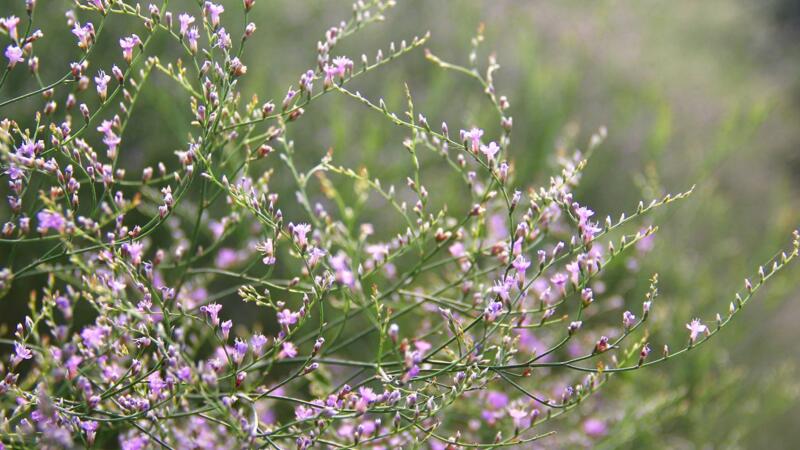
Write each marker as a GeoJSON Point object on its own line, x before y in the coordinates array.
{"type": "Point", "coordinates": [703, 93]}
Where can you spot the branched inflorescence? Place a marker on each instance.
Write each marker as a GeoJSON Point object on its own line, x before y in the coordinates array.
{"type": "Point", "coordinates": [475, 325]}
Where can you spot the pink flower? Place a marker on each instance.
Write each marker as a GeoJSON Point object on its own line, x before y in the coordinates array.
{"type": "Point", "coordinates": [10, 25]}
{"type": "Point", "coordinates": [185, 20]}
{"type": "Point", "coordinates": [85, 34]}
{"type": "Point", "coordinates": [473, 137]}
{"type": "Point", "coordinates": [490, 150]}
{"type": "Point", "coordinates": [102, 84]}
{"type": "Point", "coordinates": [696, 327]}
{"type": "Point", "coordinates": [128, 44]}
{"type": "Point", "coordinates": [594, 428]}
{"type": "Point", "coordinates": [300, 232]}
{"type": "Point", "coordinates": [214, 11]}
{"type": "Point", "coordinates": [13, 55]}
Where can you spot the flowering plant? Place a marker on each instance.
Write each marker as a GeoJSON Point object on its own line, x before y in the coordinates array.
{"type": "Point", "coordinates": [464, 324]}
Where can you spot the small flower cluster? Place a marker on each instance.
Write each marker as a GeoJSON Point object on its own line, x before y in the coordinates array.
{"type": "Point", "coordinates": [192, 306]}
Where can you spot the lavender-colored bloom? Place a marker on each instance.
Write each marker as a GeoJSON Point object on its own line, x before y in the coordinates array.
{"type": "Point", "coordinates": [225, 327]}
{"type": "Point", "coordinates": [299, 233]}
{"type": "Point", "coordinates": [185, 20]}
{"type": "Point", "coordinates": [303, 412]}
{"type": "Point", "coordinates": [212, 310]}
{"type": "Point", "coordinates": [595, 428]}
{"type": "Point", "coordinates": [343, 273]}
{"type": "Point", "coordinates": [128, 44]}
{"type": "Point", "coordinates": [102, 84]}
{"type": "Point", "coordinates": [560, 281]}
{"type": "Point", "coordinates": [288, 350]}
{"type": "Point", "coordinates": [490, 150]}
{"type": "Point", "coordinates": [214, 11]}
{"type": "Point", "coordinates": [378, 252]}
{"type": "Point", "coordinates": [226, 258]}
{"type": "Point", "coordinates": [628, 319]}
{"type": "Point", "coordinates": [257, 342]}
{"type": "Point", "coordinates": [493, 311]}
{"type": "Point", "coordinates": [13, 55]}
{"type": "Point", "coordinates": [223, 39]}
{"type": "Point", "coordinates": [192, 37]}
{"type": "Point", "coordinates": [50, 221]}
{"type": "Point", "coordinates": [286, 318]}
{"type": "Point", "coordinates": [134, 251]}
{"type": "Point", "coordinates": [21, 353]}
{"type": "Point", "coordinates": [239, 350]}
{"type": "Point", "coordinates": [315, 256]}
{"type": "Point", "coordinates": [696, 327]}
{"type": "Point", "coordinates": [85, 34]}
{"type": "Point", "coordinates": [90, 428]}
{"type": "Point", "coordinates": [343, 65]}
{"type": "Point", "coordinates": [473, 138]}
{"type": "Point", "coordinates": [94, 337]}
{"type": "Point", "coordinates": [10, 25]}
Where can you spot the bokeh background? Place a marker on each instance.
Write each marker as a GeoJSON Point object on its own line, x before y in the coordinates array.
{"type": "Point", "coordinates": [692, 93]}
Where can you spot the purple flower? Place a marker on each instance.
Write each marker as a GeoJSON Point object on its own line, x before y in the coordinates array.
{"type": "Point", "coordinates": [378, 252]}
{"type": "Point", "coordinates": [257, 342]}
{"type": "Point", "coordinates": [85, 34]}
{"type": "Point", "coordinates": [490, 150]}
{"type": "Point", "coordinates": [185, 20]}
{"type": "Point", "coordinates": [191, 37]}
{"type": "Point", "coordinates": [102, 84]}
{"type": "Point", "coordinates": [90, 428]}
{"type": "Point", "coordinates": [223, 39]}
{"type": "Point", "coordinates": [226, 258]}
{"type": "Point", "coordinates": [214, 11]}
{"type": "Point", "coordinates": [473, 137]}
{"type": "Point", "coordinates": [21, 353]}
{"type": "Point", "coordinates": [128, 44]}
{"type": "Point", "coordinates": [134, 252]}
{"type": "Point", "coordinates": [239, 350]}
{"type": "Point", "coordinates": [330, 73]}
{"type": "Point", "coordinates": [286, 318]}
{"type": "Point", "coordinates": [314, 256]}
{"type": "Point", "coordinates": [594, 428]}
{"type": "Point", "coordinates": [13, 55]}
{"type": "Point", "coordinates": [493, 310]}
{"type": "Point", "coordinates": [521, 265]}
{"type": "Point", "coordinates": [343, 65]}
{"type": "Point", "coordinates": [225, 327]}
{"type": "Point", "coordinates": [156, 384]}
{"type": "Point", "coordinates": [50, 220]}
{"type": "Point", "coordinates": [628, 319]}
{"type": "Point", "coordinates": [303, 412]}
{"type": "Point", "coordinates": [343, 273]}
{"type": "Point", "coordinates": [288, 350]}
{"type": "Point", "coordinates": [560, 281]}
{"type": "Point", "coordinates": [696, 327]}
{"type": "Point", "coordinates": [212, 310]}
{"type": "Point", "coordinates": [496, 400]}
{"type": "Point", "coordinates": [94, 337]}
{"type": "Point", "coordinates": [299, 233]}
{"type": "Point", "coordinates": [10, 25]}
{"type": "Point", "coordinates": [307, 81]}
{"type": "Point", "coordinates": [268, 249]}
